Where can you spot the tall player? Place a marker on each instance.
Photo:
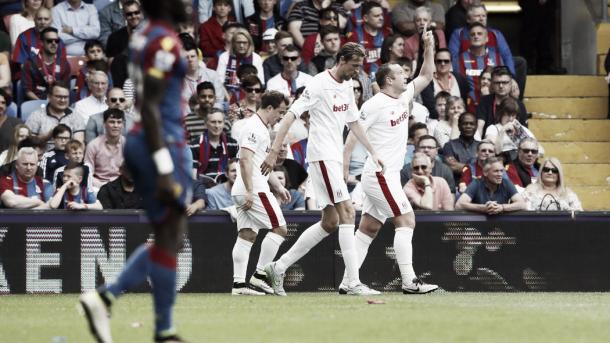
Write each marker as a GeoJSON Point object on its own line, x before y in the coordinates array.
{"type": "Point", "coordinates": [160, 161]}
{"type": "Point", "coordinates": [257, 207]}
{"type": "Point", "coordinates": [385, 119]}
{"type": "Point", "coordinates": [329, 98]}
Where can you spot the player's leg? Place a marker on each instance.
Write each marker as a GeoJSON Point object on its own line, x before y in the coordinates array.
{"type": "Point", "coordinates": [169, 237]}
{"type": "Point", "coordinates": [269, 247]}
{"type": "Point", "coordinates": [346, 213]}
{"type": "Point", "coordinates": [403, 248]}
{"type": "Point", "coordinates": [308, 239]}
{"type": "Point", "coordinates": [241, 254]}
{"type": "Point", "coordinates": [364, 236]}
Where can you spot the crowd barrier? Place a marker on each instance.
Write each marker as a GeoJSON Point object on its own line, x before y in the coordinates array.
{"type": "Point", "coordinates": [68, 252]}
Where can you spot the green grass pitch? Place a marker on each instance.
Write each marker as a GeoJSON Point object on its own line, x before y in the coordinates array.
{"type": "Point", "coordinates": [325, 317]}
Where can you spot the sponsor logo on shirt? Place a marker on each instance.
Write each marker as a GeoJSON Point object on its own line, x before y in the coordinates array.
{"type": "Point", "coordinates": [397, 121]}
{"type": "Point", "coordinates": [340, 108]}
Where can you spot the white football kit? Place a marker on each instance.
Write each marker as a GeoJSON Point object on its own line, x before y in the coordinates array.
{"type": "Point", "coordinates": [331, 104]}
{"type": "Point", "coordinates": [385, 120]}
{"type": "Point", "coordinates": [265, 212]}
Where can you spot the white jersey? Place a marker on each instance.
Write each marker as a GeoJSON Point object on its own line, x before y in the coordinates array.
{"type": "Point", "coordinates": [331, 104]}
{"type": "Point", "coordinates": [385, 120]}
{"type": "Point", "coordinates": [254, 137]}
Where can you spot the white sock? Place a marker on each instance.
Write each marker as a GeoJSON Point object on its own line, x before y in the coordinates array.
{"type": "Point", "coordinates": [269, 248]}
{"type": "Point", "coordinates": [404, 253]}
{"type": "Point", "coordinates": [241, 253]}
{"type": "Point", "coordinates": [309, 239]}
{"type": "Point", "coordinates": [363, 241]}
{"type": "Point", "coordinates": [348, 250]}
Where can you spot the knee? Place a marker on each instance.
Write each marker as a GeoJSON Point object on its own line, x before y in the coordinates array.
{"type": "Point", "coordinates": [330, 224]}
{"type": "Point", "coordinates": [347, 214]}
{"type": "Point", "coordinates": [370, 230]}
{"type": "Point", "coordinates": [247, 235]}
{"type": "Point", "coordinates": [281, 230]}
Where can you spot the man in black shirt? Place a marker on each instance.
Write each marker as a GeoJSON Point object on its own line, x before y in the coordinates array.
{"type": "Point", "coordinates": [119, 194]}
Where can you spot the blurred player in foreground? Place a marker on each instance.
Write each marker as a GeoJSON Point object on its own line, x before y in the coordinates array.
{"type": "Point", "coordinates": [160, 161]}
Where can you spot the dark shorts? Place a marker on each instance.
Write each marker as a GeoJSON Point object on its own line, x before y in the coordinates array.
{"type": "Point", "coordinates": [139, 160]}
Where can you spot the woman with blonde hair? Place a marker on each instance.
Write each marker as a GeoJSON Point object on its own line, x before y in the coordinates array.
{"type": "Point", "coordinates": [24, 20]}
{"type": "Point", "coordinates": [240, 53]}
{"type": "Point", "coordinates": [447, 127]}
{"type": "Point", "coordinates": [550, 193]}
{"type": "Point", "coordinates": [20, 132]}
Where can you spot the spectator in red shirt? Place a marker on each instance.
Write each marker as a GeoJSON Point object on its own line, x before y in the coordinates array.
{"type": "Point", "coordinates": [371, 36]}
{"type": "Point", "coordinates": [22, 188]}
{"type": "Point", "coordinates": [474, 169]}
{"type": "Point", "coordinates": [211, 34]}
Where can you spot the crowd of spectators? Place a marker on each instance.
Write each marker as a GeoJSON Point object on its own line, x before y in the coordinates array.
{"type": "Point", "coordinates": [469, 146]}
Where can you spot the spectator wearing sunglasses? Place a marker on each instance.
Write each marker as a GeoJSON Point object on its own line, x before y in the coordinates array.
{"type": "Point", "coordinates": [550, 193]}
{"type": "Point", "coordinates": [445, 80]}
{"type": "Point", "coordinates": [492, 194]}
{"type": "Point", "coordinates": [118, 39]}
{"type": "Point", "coordinates": [48, 66]}
{"type": "Point", "coordinates": [523, 170]}
{"type": "Point", "coordinates": [290, 79]}
{"type": "Point", "coordinates": [425, 191]}
{"type": "Point", "coordinates": [247, 106]}
{"type": "Point", "coordinates": [95, 124]}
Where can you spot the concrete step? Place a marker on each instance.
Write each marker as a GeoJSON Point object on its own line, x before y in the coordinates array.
{"type": "Point", "coordinates": [582, 108]}
{"type": "Point", "coordinates": [578, 152]}
{"type": "Point", "coordinates": [569, 130]}
{"type": "Point", "coordinates": [593, 198]}
{"type": "Point", "coordinates": [548, 86]}
{"type": "Point", "coordinates": [586, 174]}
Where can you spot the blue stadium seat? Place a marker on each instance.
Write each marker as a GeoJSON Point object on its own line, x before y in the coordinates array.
{"type": "Point", "coordinates": [11, 110]}
{"type": "Point", "coordinates": [30, 106]}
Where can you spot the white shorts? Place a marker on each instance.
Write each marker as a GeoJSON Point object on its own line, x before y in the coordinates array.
{"type": "Point", "coordinates": [265, 212]}
{"type": "Point", "coordinates": [329, 187]}
{"type": "Point", "coordinates": [383, 196]}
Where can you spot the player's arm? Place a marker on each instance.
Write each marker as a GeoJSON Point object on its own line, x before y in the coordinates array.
{"type": "Point", "coordinates": [245, 169]}
{"type": "Point", "coordinates": [285, 124]}
{"type": "Point", "coordinates": [427, 70]}
{"type": "Point", "coordinates": [358, 131]}
{"type": "Point", "coordinates": [348, 148]}
{"type": "Point", "coordinates": [154, 87]}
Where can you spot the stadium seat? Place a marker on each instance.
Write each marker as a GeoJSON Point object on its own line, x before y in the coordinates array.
{"type": "Point", "coordinates": [11, 110]}
{"type": "Point", "coordinates": [76, 62]}
{"type": "Point", "coordinates": [100, 4]}
{"type": "Point", "coordinates": [30, 106]}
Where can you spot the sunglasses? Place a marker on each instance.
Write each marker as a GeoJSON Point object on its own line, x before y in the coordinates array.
{"type": "Point", "coordinates": [487, 151]}
{"type": "Point", "coordinates": [134, 13]}
{"type": "Point", "coordinates": [330, 17]}
{"type": "Point", "coordinates": [422, 167]}
{"type": "Point", "coordinates": [550, 170]}
{"type": "Point", "coordinates": [290, 58]}
{"type": "Point", "coordinates": [253, 90]}
{"type": "Point", "coordinates": [114, 100]}
{"type": "Point", "coordinates": [442, 61]}
{"type": "Point", "coordinates": [51, 40]}
{"type": "Point", "coordinates": [528, 151]}
{"type": "Point", "coordinates": [359, 89]}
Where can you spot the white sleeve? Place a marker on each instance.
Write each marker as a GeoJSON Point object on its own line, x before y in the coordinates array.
{"type": "Point", "coordinates": [307, 100]}
{"type": "Point", "coordinates": [352, 112]}
{"type": "Point", "coordinates": [368, 115]}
